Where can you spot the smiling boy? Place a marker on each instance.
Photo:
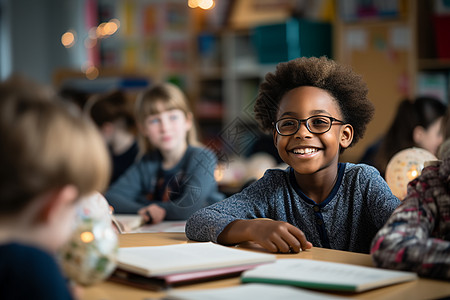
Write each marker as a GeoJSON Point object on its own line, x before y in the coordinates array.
{"type": "Point", "coordinates": [315, 109]}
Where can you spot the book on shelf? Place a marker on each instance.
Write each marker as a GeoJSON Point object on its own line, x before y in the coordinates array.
{"type": "Point", "coordinates": [157, 267]}
{"type": "Point", "coordinates": [324, 275]}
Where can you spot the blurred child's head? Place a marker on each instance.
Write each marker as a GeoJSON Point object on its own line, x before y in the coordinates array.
{"type": "Point", "coordinates": [427, 132]}
{"type": "Point", "coordinates": [445, 130]}
{"type": "Point", "coordinates": [164, 118]}
{"type": "Point", "coordinates": [48, 159]}
{"type": "Point", "coordinates": [306, 87]}
{"type": "Point", "coordinates": [111, 111]}
{"type": "Point", "coordinates": [417, 123]}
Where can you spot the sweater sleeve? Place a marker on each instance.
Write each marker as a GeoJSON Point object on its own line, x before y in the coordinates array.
{"type": "Point", "coordinates": [406, 242]}
{"type": "Point", "coordinates": [197, 188]}
{"type": "Point", "coordinates": [255, 201]}
{"type": "Point", "coordinates": [128, 194]}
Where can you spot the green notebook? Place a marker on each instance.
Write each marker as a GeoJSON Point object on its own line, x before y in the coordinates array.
{"type": "Point", "coordinates": [325, 275]}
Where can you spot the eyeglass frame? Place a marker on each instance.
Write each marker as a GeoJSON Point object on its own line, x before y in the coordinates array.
{"type": "Point", "coordinates": [300, 121]}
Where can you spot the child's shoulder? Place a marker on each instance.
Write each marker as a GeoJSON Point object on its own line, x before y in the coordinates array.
{"type": "Point", "coordinates": [25, 254]}
{"type": "Point", "coordinates": [196, 153]}
{"type": "Point", "coordinates": [200, 150]}
{"type": "Point", "coordinates": [273, 179]}
{"type": "Point", "coordinates": [276, 174]}
{"type": "Point", "coordinates": [366, 178]}
{"type": "Point", "coordinates": [353, 170]}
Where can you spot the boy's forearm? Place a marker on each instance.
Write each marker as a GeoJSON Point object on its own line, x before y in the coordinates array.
{"type": "Point", "coordinates": [234, 233]}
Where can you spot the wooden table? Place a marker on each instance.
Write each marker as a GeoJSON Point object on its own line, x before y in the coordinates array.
{"type": "Point", "coordinates": [419, 289]}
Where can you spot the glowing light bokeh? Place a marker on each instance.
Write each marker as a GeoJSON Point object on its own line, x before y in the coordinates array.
{"type": "Point", "coordinates": [95, 34]}
{"type": "Point", "coordinates": [105, 29]}
{"type": "Point", "coordinates": [68, 38]}
{"type": "Point", "coordinates": [193, 3]}
{"type": "Point", "coordinates": [87, 237]}
{"type": "Point", "coordinates": [90, 43]}
{"type": "Point", "coordinates": [92, 33]}
{"type": "Point", "coordinates": [92, 72]}
{"type": "Point", "coordinates": [206, 4]}
{"type": "Point", "coordinates": [115, 21]}
{"type": "Point", "coordinates": [100, 31]}
{"type": "Point", "coordinates": [110, 28]}
{"type": "Point", "coordinates": [203, 4]}
{"type": "Point", "coordinates": [219, 173]}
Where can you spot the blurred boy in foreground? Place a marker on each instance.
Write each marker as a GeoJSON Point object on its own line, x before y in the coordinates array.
{"type": "Point", "coordinates": [49, 158]}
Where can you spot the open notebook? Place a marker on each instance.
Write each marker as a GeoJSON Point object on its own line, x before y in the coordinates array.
{"type": "Point", "coordinates": [156, 267]}
{"type": "Point", "coordinates": [325, 275]}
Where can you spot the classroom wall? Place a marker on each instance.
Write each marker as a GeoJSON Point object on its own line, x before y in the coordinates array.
{"type": "Point", "coordinates": [30, 37]}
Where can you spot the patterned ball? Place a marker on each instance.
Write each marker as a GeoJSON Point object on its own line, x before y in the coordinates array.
{"type": "Point", "coordinates": [405, 166]}
{"type": "Point", "coordinates": [90, 254]}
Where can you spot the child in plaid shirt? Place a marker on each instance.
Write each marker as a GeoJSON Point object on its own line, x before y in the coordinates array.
{"type": "Point", "coordinates": [417, 235]}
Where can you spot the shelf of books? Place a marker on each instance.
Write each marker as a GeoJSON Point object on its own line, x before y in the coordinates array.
{"type": "Point", "coordinates": [155, 37]}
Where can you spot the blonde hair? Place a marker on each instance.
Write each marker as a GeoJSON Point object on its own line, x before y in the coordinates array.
{"type": "Point", "coordinates": [45, 147]}
{"type": "Point", "coordinates": [172, 97]}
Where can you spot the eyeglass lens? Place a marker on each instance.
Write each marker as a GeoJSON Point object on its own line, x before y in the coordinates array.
{"type": "Point", "coordinates": [315, 124]}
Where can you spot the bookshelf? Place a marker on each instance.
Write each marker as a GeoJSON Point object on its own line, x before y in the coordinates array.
{"type": "Point", "coordinates": [228, 77]}
{"type": "Point", "coordinates": [235, 63]}
{"type": "Point", "coordinates": [433, 49]}
{"type": "Point", "coordinates": [208, 68]}
{"type": "Point", "coordinates": [396, 54]}
{"type": "Point", "coordinates": [154, 38]}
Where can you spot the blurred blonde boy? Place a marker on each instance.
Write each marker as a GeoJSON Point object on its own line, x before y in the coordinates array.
{"type": "Point", "coordinates": [49, 159]}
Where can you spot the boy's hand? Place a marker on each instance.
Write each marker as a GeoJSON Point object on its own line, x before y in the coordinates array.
{"type": "Point", "coordinates": [275, 236]}
{"type": "Point", "coordinates": [153, 214]}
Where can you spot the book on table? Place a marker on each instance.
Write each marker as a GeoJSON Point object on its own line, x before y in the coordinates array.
{"type": "Point", "coordinates": [324, 275]}
{"type": "Point", "coordinates": [250, 291]}
{"type": "Point", "coordinates": [127, 222]}
{"type": "Point", "coordinates": [158, 267]}
{"type": "Point", "coordinates": [134, 223]}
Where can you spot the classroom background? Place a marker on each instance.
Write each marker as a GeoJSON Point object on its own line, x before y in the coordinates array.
{"type": "Point", "coordinates": [218, 52]}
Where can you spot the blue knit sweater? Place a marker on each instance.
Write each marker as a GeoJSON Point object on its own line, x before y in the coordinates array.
{"type": "Point", "coordinates": [193, 176]}
{"type": "Point", "coordinates": [357, 207]}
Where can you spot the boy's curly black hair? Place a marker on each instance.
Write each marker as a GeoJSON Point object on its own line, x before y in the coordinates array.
{"type": "Point", "coordinates": [344, 85]}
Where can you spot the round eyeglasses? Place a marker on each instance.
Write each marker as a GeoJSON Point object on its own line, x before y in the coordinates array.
{"type": "Point", "coordinates": [314, 124]}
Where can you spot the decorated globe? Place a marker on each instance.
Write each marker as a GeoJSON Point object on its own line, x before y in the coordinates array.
{"type": "Point", "coordinates": [90, 254]}
{"type": "Point", "coordinates": [405, 166]}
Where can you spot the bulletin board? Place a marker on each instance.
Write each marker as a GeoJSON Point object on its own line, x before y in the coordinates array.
{"type": "Point", "coordinates": [382, 53]}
